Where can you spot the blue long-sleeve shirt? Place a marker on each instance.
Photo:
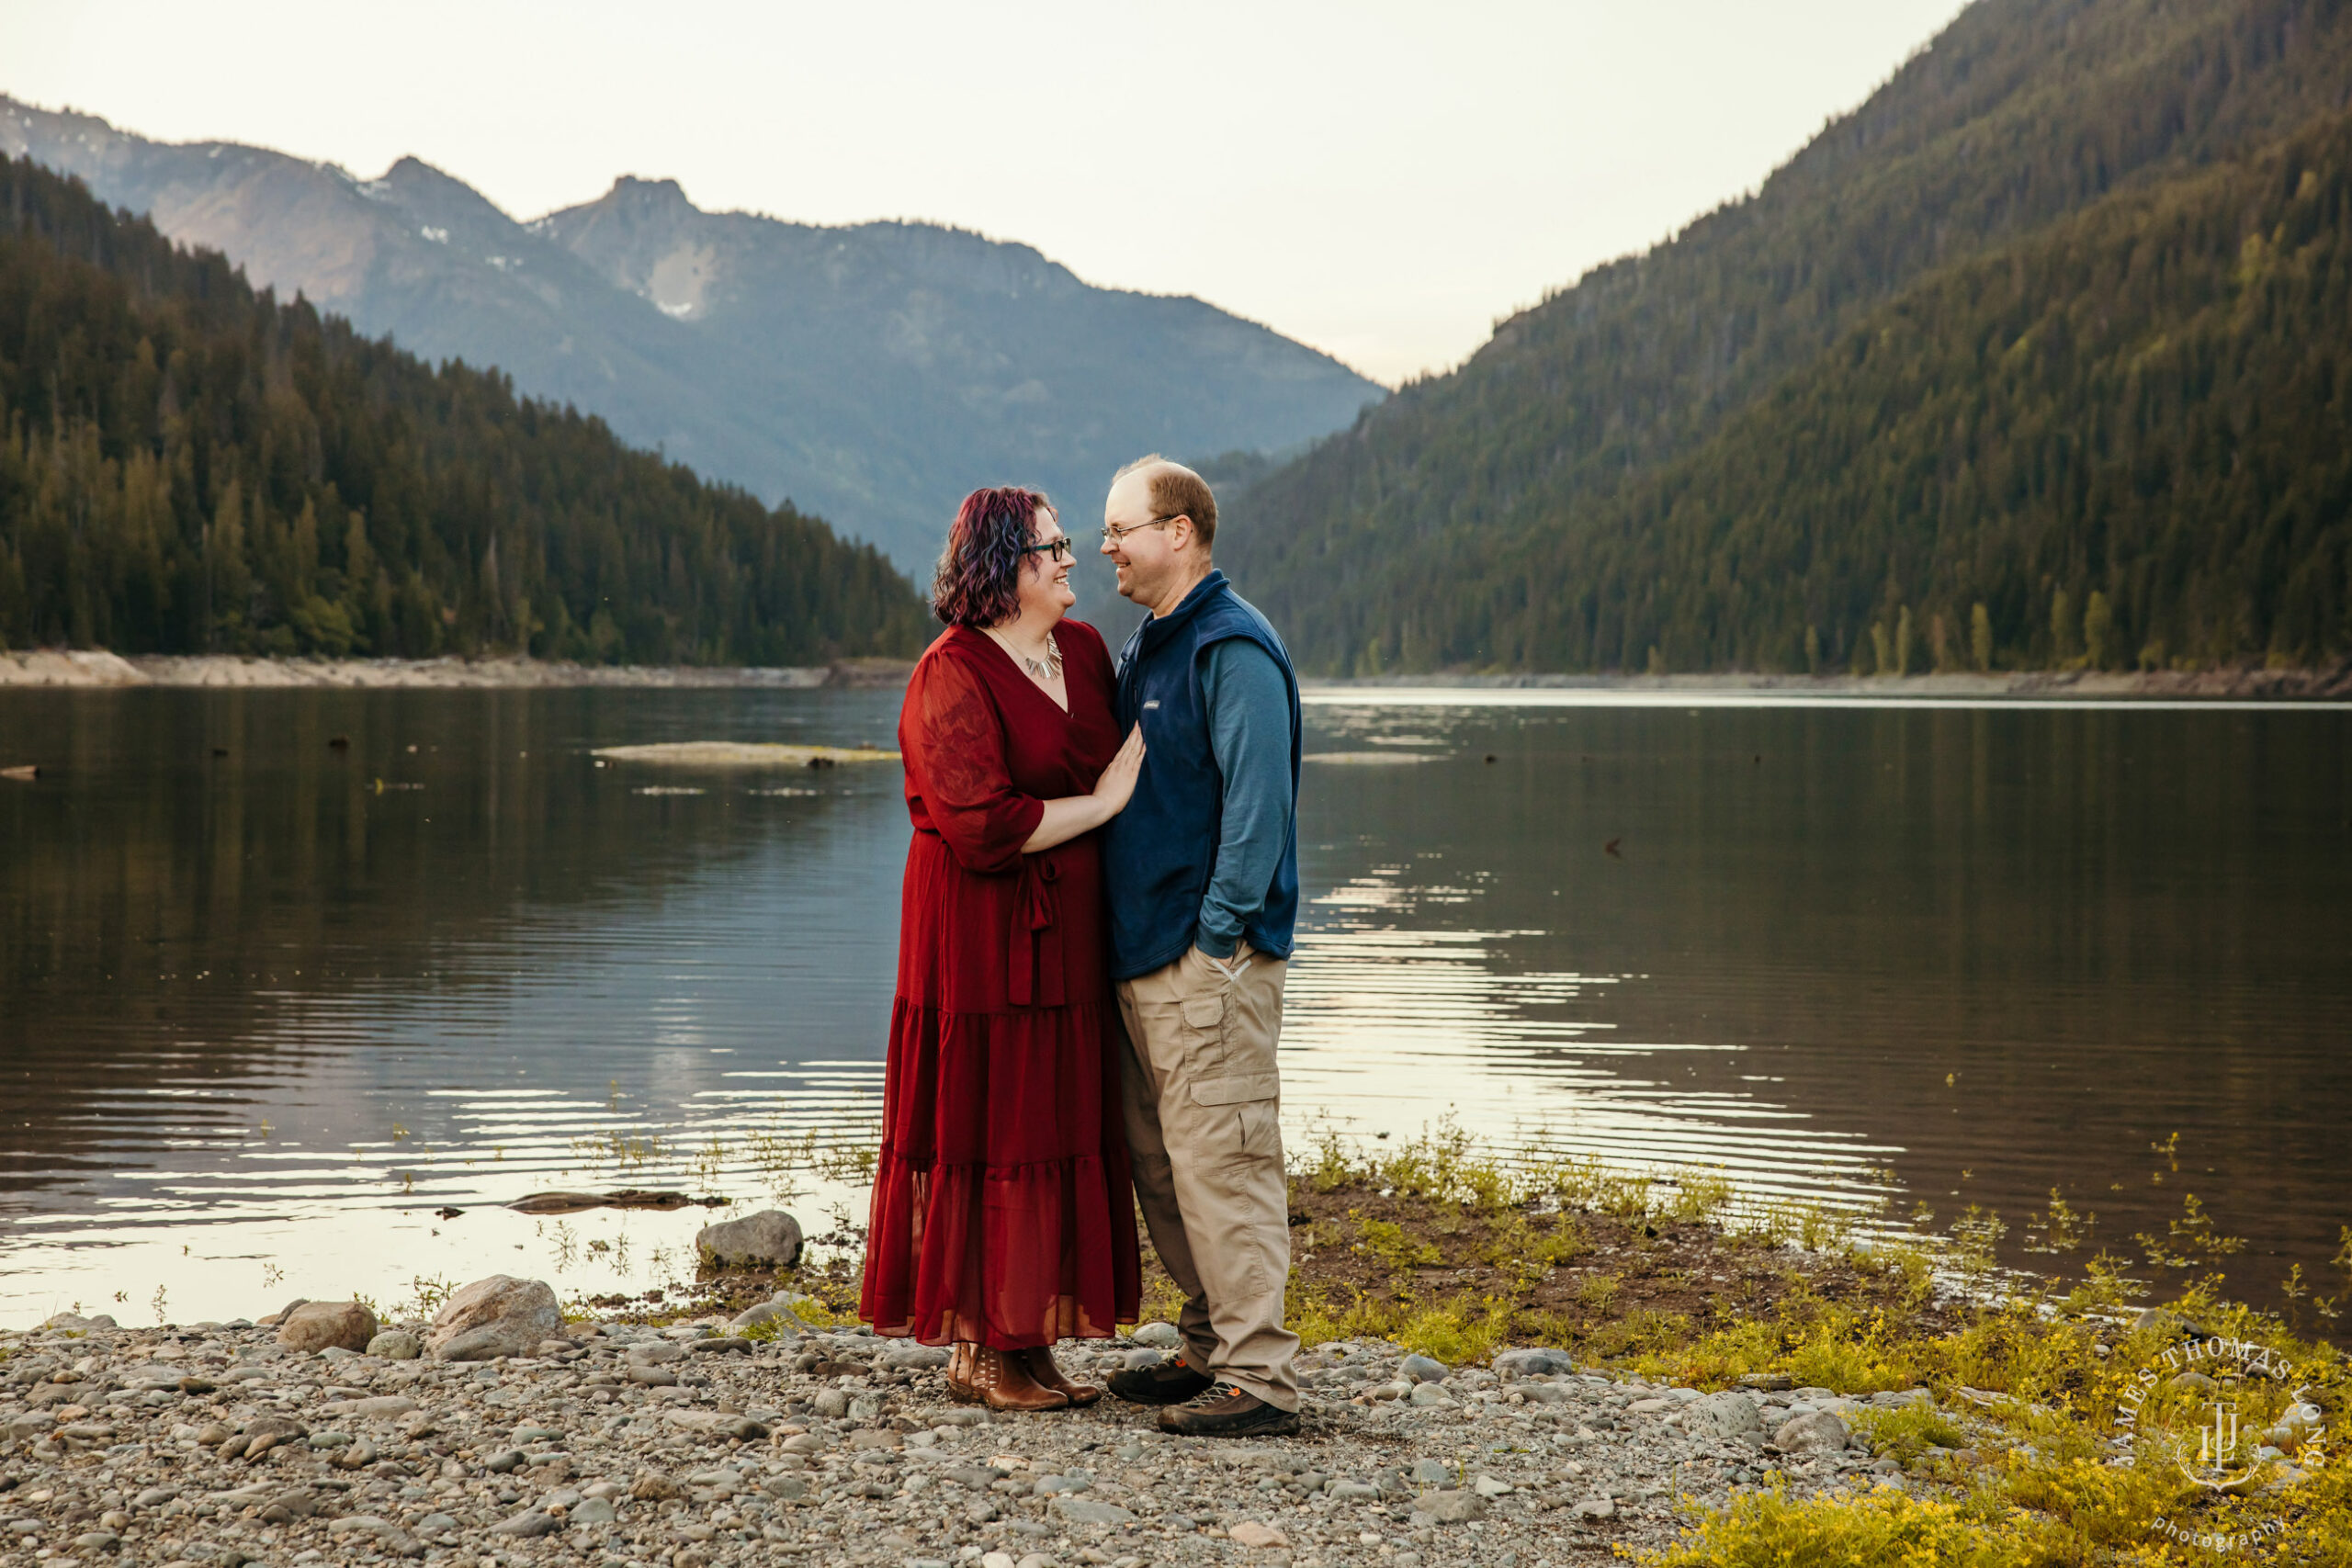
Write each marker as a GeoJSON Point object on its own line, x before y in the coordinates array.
{"type": "Point", "coordinates": [1249, 712]}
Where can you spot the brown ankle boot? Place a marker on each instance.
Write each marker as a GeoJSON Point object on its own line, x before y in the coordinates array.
{"type": "Point", "coordinates": [1040, 1365]}
{"type": "Point", "coordinates": [1001, 1379]}
{"type": "Point", "coordinates": [959, 1373]}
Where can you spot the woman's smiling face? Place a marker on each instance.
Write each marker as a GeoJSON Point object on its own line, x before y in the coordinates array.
{"type": "Point", "coordinates": [1045, 593]}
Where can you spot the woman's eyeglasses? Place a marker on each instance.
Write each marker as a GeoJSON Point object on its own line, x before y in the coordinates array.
{"type": "Point", "coordinates": [1061, 549]}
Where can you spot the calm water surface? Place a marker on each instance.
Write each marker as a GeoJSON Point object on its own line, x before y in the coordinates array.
{"type": "Point", "coordinates": [267, 1004]}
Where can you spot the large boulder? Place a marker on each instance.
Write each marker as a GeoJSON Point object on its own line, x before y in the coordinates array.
{"type": "Point", "coordinates": [320, 1326]}
{"type": "Point", "coordinates": [498, 1317]}
{"type": "Point", "coordinates": [769, 1236]}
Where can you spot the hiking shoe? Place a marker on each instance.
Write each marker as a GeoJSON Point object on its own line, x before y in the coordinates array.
{"type": "Point", "coordinates": [1227, 1411]}
{"type": "Point", "coordinates": [1164, 1383]}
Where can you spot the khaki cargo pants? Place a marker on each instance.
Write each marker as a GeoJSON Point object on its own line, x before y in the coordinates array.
{"type": "Point", "coordinates": [1203, 1101]}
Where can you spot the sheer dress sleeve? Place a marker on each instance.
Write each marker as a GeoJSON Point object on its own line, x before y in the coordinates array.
{"type": "Point", "coordinates": [955, 756]}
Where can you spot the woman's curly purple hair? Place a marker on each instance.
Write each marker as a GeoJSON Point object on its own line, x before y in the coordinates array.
{"type": "Point", "coordinates": [978, 580]}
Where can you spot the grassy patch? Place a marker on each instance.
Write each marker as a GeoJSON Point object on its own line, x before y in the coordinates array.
{"type": "Point", "coordinates": [1672, 1280]}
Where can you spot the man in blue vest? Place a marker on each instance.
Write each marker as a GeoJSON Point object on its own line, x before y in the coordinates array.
{"type": "Point", "coordinates": [1202, 868]}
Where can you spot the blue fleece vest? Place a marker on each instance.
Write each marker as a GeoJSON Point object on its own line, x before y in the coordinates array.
{"type": "Point", "coordinates": [1159, 852]}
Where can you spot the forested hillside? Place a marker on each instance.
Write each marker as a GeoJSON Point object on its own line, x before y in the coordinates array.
{"type": "Point", "coordinates": [2126, 442]}
{"type": "Point", "coordinates": [1769, 436]}
{"type": "Point", "coordinates": [186, 466]}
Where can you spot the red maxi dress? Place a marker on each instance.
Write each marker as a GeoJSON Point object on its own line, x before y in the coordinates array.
{"type": "Point", "coordinates": [1003, 1209]}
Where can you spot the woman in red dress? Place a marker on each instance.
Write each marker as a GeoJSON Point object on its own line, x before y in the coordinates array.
{"type": "Point", "coordinates": [1003, 1219]}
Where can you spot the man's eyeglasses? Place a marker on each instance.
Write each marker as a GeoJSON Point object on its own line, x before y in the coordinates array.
{"type": "Point", "coordinates": [1112, 534]}
{"type": "Point", "coordinates": [1061, 549]}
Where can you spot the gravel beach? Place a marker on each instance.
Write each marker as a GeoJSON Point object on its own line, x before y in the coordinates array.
{"type": "Point", "coordinates": [687, 1445]}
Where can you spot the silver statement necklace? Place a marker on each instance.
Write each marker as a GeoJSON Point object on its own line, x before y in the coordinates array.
{"type": "Point", "coordinates": [1047, 670]}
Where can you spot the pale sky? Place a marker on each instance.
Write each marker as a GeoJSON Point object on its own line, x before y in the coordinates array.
{"type": "Point", "coordinates": [1381, 180]}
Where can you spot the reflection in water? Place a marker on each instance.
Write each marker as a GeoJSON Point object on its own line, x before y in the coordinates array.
{"type": "Point", "coordinates": [261, 1021]}
{"type": "Point", "coordinates": [1399, 1024]}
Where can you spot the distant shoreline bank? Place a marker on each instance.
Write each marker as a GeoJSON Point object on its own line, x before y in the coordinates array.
{"type": "Point", "coordinates": [96, 669]}
{"type": "Point", "coordinates": [2334, 684]}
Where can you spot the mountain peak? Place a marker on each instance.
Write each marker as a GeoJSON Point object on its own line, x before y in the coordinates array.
{"type": "Point", "coordinates": [666, 195]}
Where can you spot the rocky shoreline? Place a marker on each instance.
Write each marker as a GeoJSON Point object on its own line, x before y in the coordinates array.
{"type": "Point", "coordinates": [759, 1438]}
{"type": "Point", "coordinates": [2237, 683]}
{"type": "Point", "coordinates": [102, 669]}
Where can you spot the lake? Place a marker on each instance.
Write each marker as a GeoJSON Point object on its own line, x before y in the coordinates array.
{"type": "Point", "coordinates": [270, 1006]}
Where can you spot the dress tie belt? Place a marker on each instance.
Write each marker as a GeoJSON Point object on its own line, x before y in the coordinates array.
{"type": "Point", "coordinates": [1035, 979]}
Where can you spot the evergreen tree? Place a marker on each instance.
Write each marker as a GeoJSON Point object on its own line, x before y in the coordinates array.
{"type": "Point", "coordinates": [186, 466]}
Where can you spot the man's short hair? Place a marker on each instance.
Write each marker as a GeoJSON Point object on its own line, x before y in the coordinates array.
{"type": "Point", "coordinates": [1176, 491]}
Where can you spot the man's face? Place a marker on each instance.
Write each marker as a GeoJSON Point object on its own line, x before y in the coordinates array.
{"type": "Point", "coordinates": [1143, 552]}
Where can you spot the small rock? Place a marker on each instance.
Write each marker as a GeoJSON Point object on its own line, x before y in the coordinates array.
{"type": "Point", "coordinates": [1158, 1336]}
{"type": "Point", "coordinates": [1432, 1395]}
{"type": "Point", "coordinates": [777, 1312]}
{"type": "Point", "coordinates": [1490, 1486]}
{"type": "Point", "coordinates": [1534, 1362]}
{"type": "Point", "coordinates": [716, 1423]}
{"type": "Point", "coordinates": [1090, 1511]}
{"type": "Point", "coordinates": [528, 1523]}
{"type": "Point", "coordinates": [1725, 1415]}
{"type": "Point", "coordinates": [1250, 1533]}
{"type": "Point", "coordinates": [498, 1317]}
{"type": "Point", "coordinates": [1818, 1432]}
{"type": "Point", "coordinates": [769, 1236]}
{"type": "Point", "coordinates": [1596, 1508]}
{"type": "Point", "coordinates": [319, 1325]}
{"type": "Point", "coordinates": [1453, 1507]}
{"type": "Point", "coordinates": [396, 1345]}
{"type": "Point", "coordinates": [2165, 1321]}
{"type": "Point", "coordinates": [594, 1511]}
{"type": "Point", "coordinates": [1423, 1368]}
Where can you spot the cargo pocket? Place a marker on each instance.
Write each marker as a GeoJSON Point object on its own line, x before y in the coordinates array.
{"type": "Point", "coordinates": [1204, 1041]}
{"type": "Point", "coordinates": [1238, 1142]}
